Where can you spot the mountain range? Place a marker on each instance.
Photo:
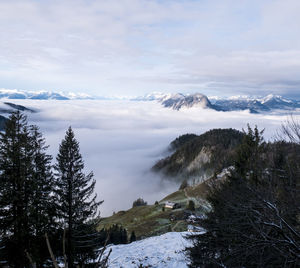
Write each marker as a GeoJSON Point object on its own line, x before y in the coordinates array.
{"type": "Point", "coordinates": [41, 95]}
{"type": "Point", "coordinates": [235, 103]}
{"type": "Point", "coordinates": [176, 101]}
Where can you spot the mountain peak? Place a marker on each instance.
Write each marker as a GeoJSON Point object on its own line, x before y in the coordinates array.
{"type": "Point", "coordinates": [178, 101]}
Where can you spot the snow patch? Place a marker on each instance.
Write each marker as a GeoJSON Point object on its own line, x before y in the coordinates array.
{"type": "Point", "coordinates": [166, 250]}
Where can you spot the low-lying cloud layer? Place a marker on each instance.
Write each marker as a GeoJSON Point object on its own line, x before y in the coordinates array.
{"type": "Point", "coordinates": [121, 140]}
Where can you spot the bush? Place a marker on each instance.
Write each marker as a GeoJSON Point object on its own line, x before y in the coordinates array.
{"type": "Point", "coordinates": [139, 202]}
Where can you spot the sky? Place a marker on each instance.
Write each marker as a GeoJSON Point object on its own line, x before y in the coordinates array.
{"type": "Point", "coordinates": [133, 47]}
{"type": "Point", "coordinates": [121, 140]}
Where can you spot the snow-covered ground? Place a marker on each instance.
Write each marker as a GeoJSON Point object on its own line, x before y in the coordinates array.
{"type": "Point", "coordinates": [158, 251]}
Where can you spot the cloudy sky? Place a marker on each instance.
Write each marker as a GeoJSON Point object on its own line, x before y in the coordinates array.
{"type": "Point", "coordinates": [132, 47]}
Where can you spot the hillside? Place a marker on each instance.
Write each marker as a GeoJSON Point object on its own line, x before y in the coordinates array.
{"type": "Point", "coordinates": [151, 220]}
{"type": "Point", "coordinates": [199, 157]}
{"type": "Point", "coordinates": [7, 108]}
{"type": "Point", "coordinates": [203, 159]}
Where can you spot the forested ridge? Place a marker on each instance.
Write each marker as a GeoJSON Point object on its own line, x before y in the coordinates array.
{"type": "Point", "coordinates": [216, 146]}
{"type": "Point", "coordinates": [255, 215]}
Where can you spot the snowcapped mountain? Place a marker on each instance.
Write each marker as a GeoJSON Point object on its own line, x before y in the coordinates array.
{"type": "Point", "coordinates": [278, 102]}
{"type": "Point", "coordinates": [256, 105]}
{"type": "Point", "coordinates": [41, 95]}
{"type": "Point", "coordinates": [150, 97]}
{"type": "Point", "coordinates": [175, 101]}
{"type": "Point", "coordinates": [234, 103]}
{"type": "Point", "coordinates": [158, 251]}
{"type": "Point", "coordinates": [179, 101]}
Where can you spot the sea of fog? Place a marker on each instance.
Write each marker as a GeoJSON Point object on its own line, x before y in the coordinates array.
{"type": "Point", "coordinates": [121, 140]}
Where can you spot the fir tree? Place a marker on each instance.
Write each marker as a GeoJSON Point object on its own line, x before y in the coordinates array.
{"type": "Point", "coordinates": [249, 161]}
{"type": "Point", "coordinates": [74, 191]}
{"type": "Point", "coordinates": [25, 187]}
{"type": "Point", "coordinates": [14, 175]}
{"type": "Point", "coordinates": [42, 206]}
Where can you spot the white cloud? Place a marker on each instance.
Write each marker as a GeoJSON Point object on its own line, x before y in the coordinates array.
{"type": "Point", "coordinates": [121, 140]}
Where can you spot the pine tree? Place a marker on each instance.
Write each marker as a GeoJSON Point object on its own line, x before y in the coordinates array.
{"type": "Point", "coordinates": [74, 192]}
{"type": "Point", "coordinates": [42, 207]}
{"type": "Point", "coordinates": [25, 187]}
{"type": "Point", "coordinates": [14, 175]}
{"type": "Point", "coordinates": [249, 160]}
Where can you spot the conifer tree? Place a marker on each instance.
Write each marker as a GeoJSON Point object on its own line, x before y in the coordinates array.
{"type": "Point", "coordinates": [14, 160]}
{"type": "Point", "coordinates": [74, 193]}
{"type": "Point", "coordinates": [249, 162]}
{"type": "Point", "coordinates": [25, 186]}
{"type": "Point", "coordinates": [42, 207]}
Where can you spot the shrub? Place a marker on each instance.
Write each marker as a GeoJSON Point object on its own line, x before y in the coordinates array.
{"type": "Point", "coordinates": [139, 202]}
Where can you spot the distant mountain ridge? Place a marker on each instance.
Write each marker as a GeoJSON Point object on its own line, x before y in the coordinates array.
{"type": "Point", "coordinates": [268, 103]}
{"type": "Point", "coordinates": [176, 101]}
{"type": "Point", "coordinates": [41, 95]}
{"type": "Point", "coordinates": [7, 108]}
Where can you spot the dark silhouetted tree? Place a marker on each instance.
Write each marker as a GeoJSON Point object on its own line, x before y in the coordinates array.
{"type": "Point", "coordinates": [75, 196]}
{"type": "Point", "coordinates": [139, 202]}
{"type": "Point", "coordinates": [26, 210]}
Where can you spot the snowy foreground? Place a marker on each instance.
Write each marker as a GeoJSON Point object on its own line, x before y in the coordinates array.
{"type": "Point", "coordinates": [159, 251]}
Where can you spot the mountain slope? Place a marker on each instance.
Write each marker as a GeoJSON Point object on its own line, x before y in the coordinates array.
{"type": "Point", "coordinates": [147, 220]}
{"type": "Point", "coordinates": [19, 107]}
{"type": "Point", "coordinates": [152, 220]}
{"type": "Point", "coordinates": [198, 158]}
{"type": "Point", "coordinates": [7, 108]}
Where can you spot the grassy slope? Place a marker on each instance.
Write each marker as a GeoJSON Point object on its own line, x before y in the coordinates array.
{"type": "Point", "coordinates": [152, 220]}
{"type": "Point", "coordinates": [145, 220]}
